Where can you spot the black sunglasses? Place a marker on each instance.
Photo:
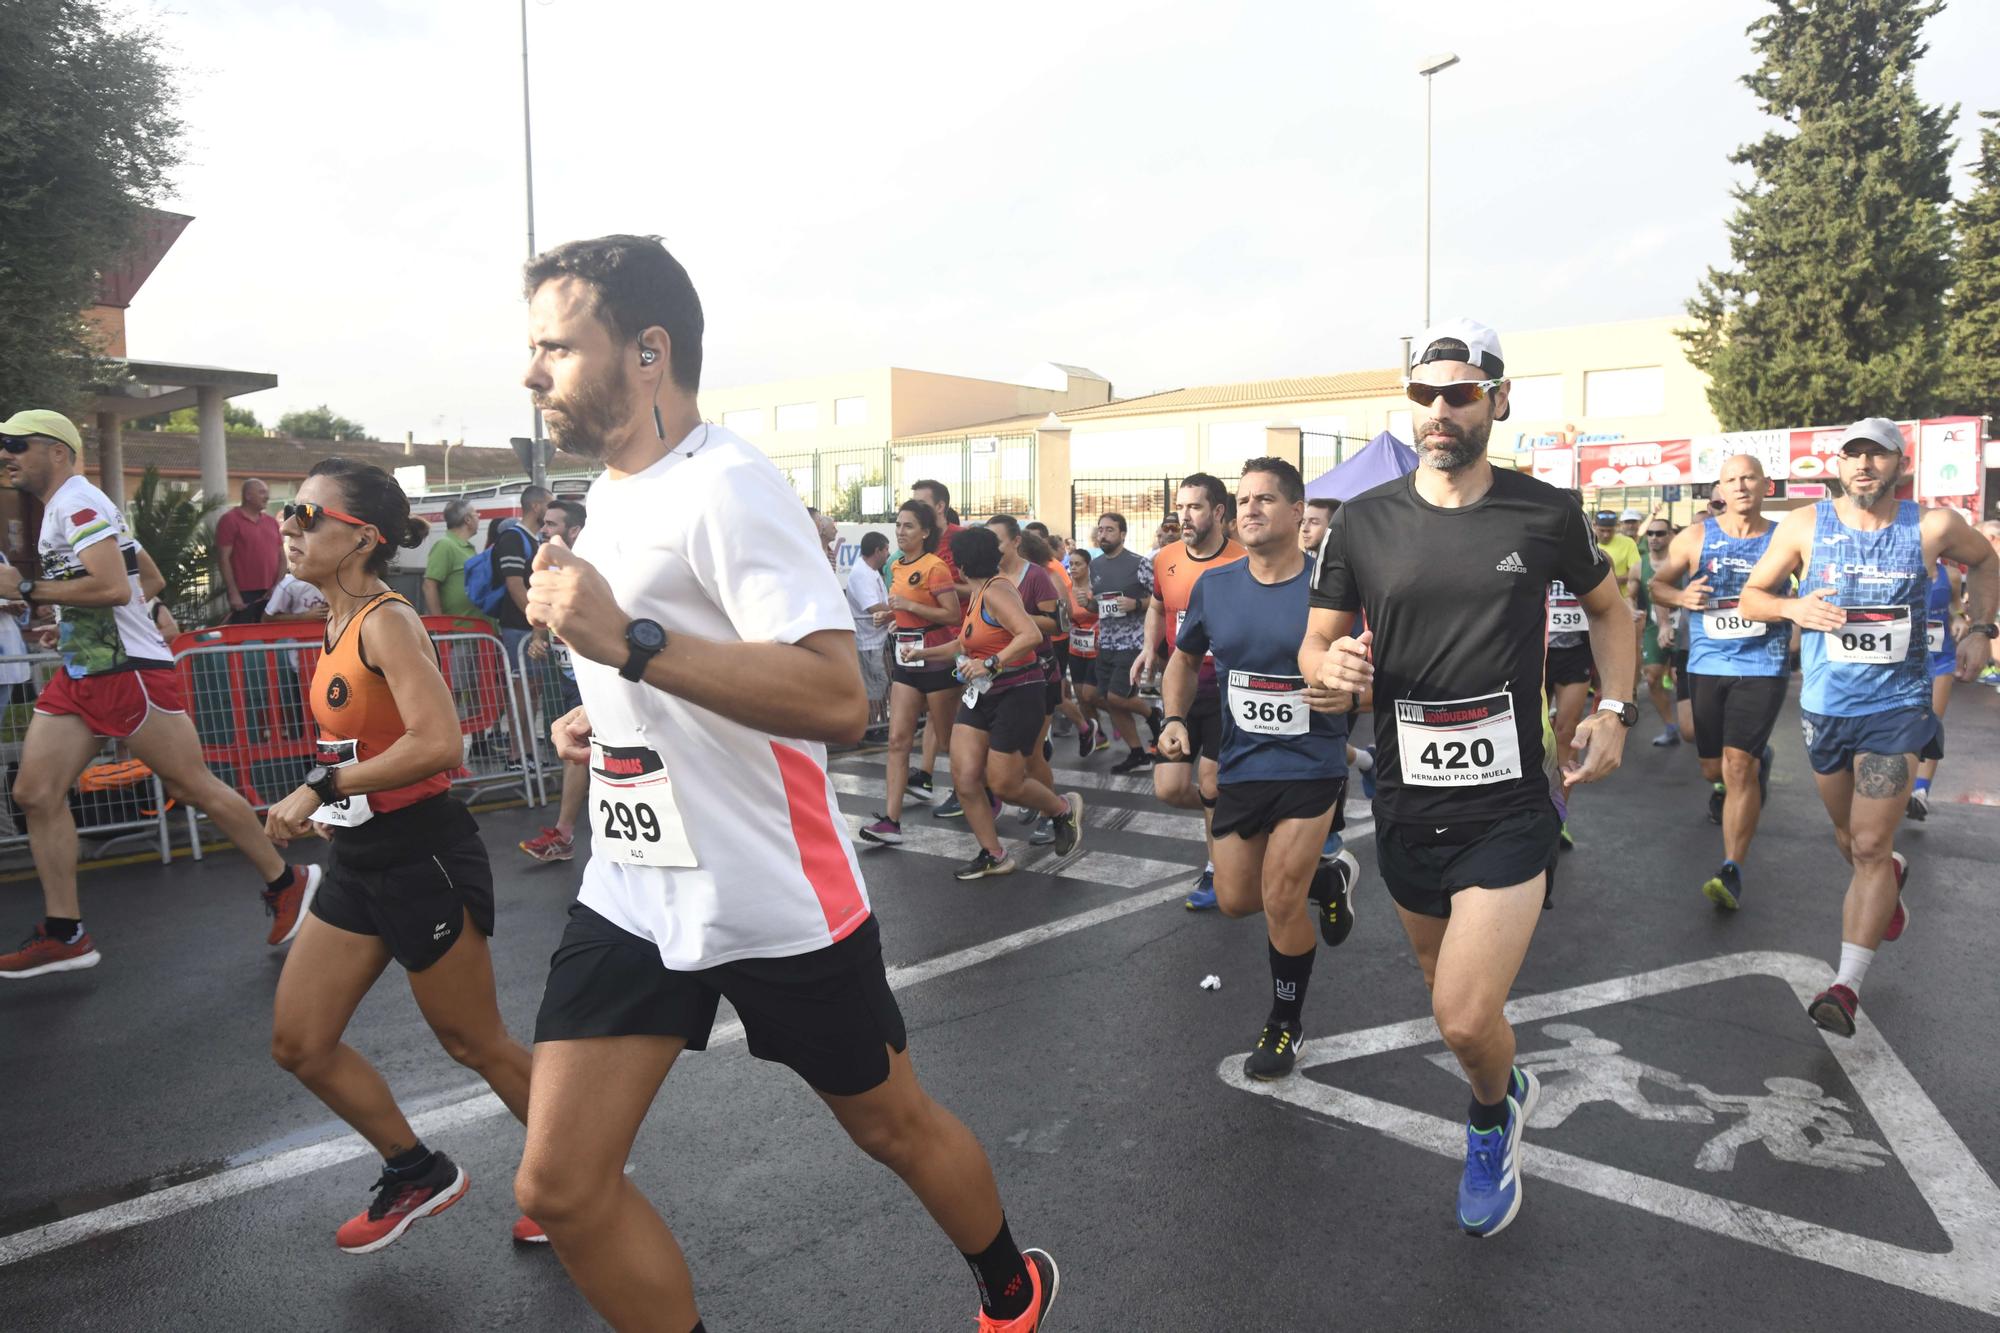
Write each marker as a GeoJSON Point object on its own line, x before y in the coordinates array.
{"type": "Point", "coordinates": [308, 515]}
{"type": "Point", "coordinates": [18, 444]}
{"type": "Point", "coordinates": [1459, 393]}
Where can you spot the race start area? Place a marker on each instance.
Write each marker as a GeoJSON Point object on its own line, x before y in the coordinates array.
{"type": "Point", "coordinates": [1702, 1154]}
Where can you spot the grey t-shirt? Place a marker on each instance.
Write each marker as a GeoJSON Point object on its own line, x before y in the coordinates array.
{"type": "Point", "coordinates": [1123, 575]}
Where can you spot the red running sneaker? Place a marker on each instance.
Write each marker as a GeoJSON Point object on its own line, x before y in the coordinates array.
{"type": "Point", "coordinates": [526, 1232]}
{"type": "Point", "coordinates": [550, 846]}
{"type": "Point", "coordinates": [1834, 1009]}
{"type": "Point", "coordinates": [42, 952]}
{"type": "Point", "coordinates": [1894, 930]}
{"type": "Point", "coordinates": [399, 1202]}
{"type": "Point", "coordinates": [1044, 1278]}
{"type": "Point", "coordinates": [287, 907]}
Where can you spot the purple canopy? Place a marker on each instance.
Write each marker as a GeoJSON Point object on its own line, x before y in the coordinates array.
{"type": "Point", "coordinates": [1383, 458]}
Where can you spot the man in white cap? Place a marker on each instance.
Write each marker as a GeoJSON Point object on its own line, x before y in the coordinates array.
{"type": "Point", "coordinates": [1451, 567]}
{"type": "Point", "coordinates": [1864, 563]}
{"type": "Point", "coordinates": [118, 681]}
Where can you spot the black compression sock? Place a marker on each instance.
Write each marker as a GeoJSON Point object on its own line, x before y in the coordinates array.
{"type": "Point", "coordinates": [698, 1327]}
{"type": "Point", "coordinates": [1289, 975]}
{"type": "Point", "coordinates": [62, 929]}
{"type": "Point", "coordinates": [410, 1163]}
{"type": "Point", "coordinates": [1002, 1277]}
{"type": "Point", "coordinates": [1483, 1117]}
{"type": "Point", "coordinates": [282, 882]}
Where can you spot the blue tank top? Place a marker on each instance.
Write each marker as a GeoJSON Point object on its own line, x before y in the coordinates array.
{"type": "Point", "coordinates": [1879, 578]}
{"type": "Point", "coordinates": [1721, 642]}
{"type": "Point", "coordinates": [1944, 657]}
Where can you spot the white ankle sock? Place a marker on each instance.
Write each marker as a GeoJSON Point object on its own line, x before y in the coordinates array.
{"type": "Point", "coordinates": [1854, 961]}
{"type": "Point", "coordinates": [1362, 761]}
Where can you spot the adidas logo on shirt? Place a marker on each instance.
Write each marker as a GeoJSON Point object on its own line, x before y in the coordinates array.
{"type": "Point", "coordinates": [1512, 564]}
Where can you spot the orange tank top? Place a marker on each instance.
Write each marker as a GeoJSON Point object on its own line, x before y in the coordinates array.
{"type": "Point", "coordinates": [357, 715]}
{"type": "Point", "coordinates": [982, 637]}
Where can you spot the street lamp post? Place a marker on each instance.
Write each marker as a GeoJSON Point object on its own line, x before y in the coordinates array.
{"type": "Point", "coordinates": [1432, 65]}
{"type": "Point", "coordinates": [528, 171]}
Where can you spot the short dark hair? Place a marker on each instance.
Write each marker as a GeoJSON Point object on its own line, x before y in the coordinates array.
{"type": "Point", "coordinates": [1038, 527]}
{"type": "Point", "coordinates": [573, 514]}
{"type": "Point", "coordinates": [976, 552]}
{"type": "Point", "coordinates": [1326, 502]}
{"type": "Point", "coordinates": [638, 286]}
{"type": "Point", "coordinates": [936, 488]}
{"type": "Point", "coordinates": [927, 519]}
{"type": "Point", "coordinates": [1035, 548]}
{"type": "Point", "coordinates": [1290, 484]}
{"type": "Point", "coordinates": [532, 494]}
{"type": "Point", "coordinates": [1208, 485]}
{"type": "Point", "coordinates": [373, 496]}
{"type": "Point", "coordinates": [1079, 548]}
{"type": "Point", "coordinates": [1115, 517]}
{"type": "Point", "coordinates": [871, 542]}
{"type": "Point", "coordinates": [1009, 522]}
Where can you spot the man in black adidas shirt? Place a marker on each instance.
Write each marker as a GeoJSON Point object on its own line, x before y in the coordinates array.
{"type": "Point", "coordinates": [1450, 568]}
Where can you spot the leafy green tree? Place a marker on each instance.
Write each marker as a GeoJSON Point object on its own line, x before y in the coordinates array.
{"type": "Point", "coordinates": [1972, 314]}
{"type": "Point", "coordinates": [1834, 306]}
{"type": "Point", "coordinates": [88, 136]}
{"type": "Point", "coordinates": [320, 423]}
{"type": "Point", "coordinates": [171, 523]}
{"type": "Point", "coordinates": [846, 504]}
{"type": "Point", "coordinates": [235, 421]}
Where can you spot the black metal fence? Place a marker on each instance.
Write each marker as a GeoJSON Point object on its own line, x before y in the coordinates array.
{"type": "Point", "coordinates": [987, 474]}
{"type": "Point", "coordinates": [1144, 501]}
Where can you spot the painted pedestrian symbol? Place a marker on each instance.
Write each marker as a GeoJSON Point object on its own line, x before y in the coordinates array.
{"type": "Point", "coordinates": [1798, 1122]}
{"type": "Point", "coordinates": [1592, 1069]}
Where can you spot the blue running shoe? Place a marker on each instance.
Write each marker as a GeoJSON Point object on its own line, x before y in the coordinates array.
{"type": "Point", "coordinates": [1201, 898]}
{"type": "Point", "coordinates": [1368, 777]}
{"type": "Point", "coordinates": [1490, 1193]}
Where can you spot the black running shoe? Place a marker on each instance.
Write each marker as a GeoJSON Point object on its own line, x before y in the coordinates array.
{"type": "Point", "coordinates": [1086, 740]}
{"type": "Point", "coordinates": [1133, 761]}
{"type": "Point", "coordinates": [1069, 828]}
{"type": "Point", "coordinates": [949, 808]}
{"type": "Point", "coordinates": [918, 788]}
{"type": "Point", "coordinates": [1725, 888]}
{"type": "Point", "coordinates": [1716, 797]}
{"type": "Point", "coordinates": [1277, 1051]}
{"type": "Point", "coordinates": [1332, 897]}
{"type": "Point", "coordinates": [1919, 808]}
{"type": "Point", "coordinates": [985, 864]}
{"type": "Point", "coordinates": [1027, 816]}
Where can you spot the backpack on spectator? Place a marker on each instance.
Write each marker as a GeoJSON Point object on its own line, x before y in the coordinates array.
{"type": "Point", "coordinates": [484, 587]}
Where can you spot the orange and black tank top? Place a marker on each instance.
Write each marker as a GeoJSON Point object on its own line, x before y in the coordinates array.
{"type": "Point", "coordinates": [983, 636]}
{"type": "Point", "coordinates": [357, 714]}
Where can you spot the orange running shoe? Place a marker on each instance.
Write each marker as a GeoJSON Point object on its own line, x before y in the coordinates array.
{"type": "Point", "coordinates": [526, 1232]}
{"type": "Point", "coordinates": [42, 952]}
{"type": "Point", "coordinates": [1044, 1279]}
{"type": "Point", "coordinates": [287, 907]}
{"type": "Point", "coordinates": [399, 1202]}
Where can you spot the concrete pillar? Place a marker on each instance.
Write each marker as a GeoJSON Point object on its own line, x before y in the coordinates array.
{"type": "Point", "coordinates": [1052, 479]}
{"type": "Point", "coordinates": [110, 458]}
{"type": "Point", "coordinates": [1288, 443]}
{"type": "Point", "coordinates": [214, 447]}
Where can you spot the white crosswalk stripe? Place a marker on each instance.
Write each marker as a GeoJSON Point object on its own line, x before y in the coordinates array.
{"type": "Point", "coordinates": [1110, 868]}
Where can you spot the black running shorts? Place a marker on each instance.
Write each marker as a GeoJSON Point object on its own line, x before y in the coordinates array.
{"type": "Point", "coordinates": [1683, 684]}
{"type": "Point", "coordinates": [1011, 718]}
{"type": "Point", "coordinates": [828, 1015]}
{"type": "Point", "coordinates": [1734, 711]}
{"type": "Point", "coordinates": [1204, 729]}
{"type": "Point", "coordinates": [933, 681]}
{"type": "Point", "coordinates": [1424, 865]}
{"type": "Point", "coordinates": [1569, 666]}
{"type": "Point", "coordinates": [1247, 809]}
{"type": "Point", "coordinates": [418, 906]}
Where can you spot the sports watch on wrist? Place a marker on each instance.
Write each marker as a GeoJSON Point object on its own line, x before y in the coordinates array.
{"type": "Point", "coordinates": [321, 782]}
{"type": "Point", "coordinates": [1628, 713]}
{"type": "Point", "coordinates": [27, 590]}
{"type": "Point", "coordinates": [644, 639]}
{"type": "Point", "coordinates": [993, 665]}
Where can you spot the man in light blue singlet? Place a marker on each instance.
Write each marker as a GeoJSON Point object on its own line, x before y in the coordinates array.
{"type": "Point", "coordinates": [1864, 566]}
{"type": "Point", "coordinates": [1736, 665]}
{"type": "Point", "coordinates": [1946, 591]}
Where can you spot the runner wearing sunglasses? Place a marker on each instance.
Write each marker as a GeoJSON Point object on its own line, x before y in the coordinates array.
{"type": "Point", "coordinates": [1451, 566]}
{"type": "Point", "coordinates": [1863, 564]}
{"type": "Point", "coordinates": [409, 880]}
{"type": "Point", "coordinates": [117, 681]}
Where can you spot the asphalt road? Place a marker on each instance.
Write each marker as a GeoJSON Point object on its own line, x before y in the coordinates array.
{"type": "Point", "coordinates": [163, 1174]}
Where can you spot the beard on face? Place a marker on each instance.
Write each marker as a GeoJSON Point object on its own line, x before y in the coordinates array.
{"type": "Point", "coordinates": [1866, 493]}
{"type": "Point", "coordinates": [582, 423]}
{"type": "Point", "coordinates": [1453, 450]}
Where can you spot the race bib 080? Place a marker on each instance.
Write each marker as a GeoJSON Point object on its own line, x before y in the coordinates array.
{"type": "Point", "coordinates": [1458, 742]}
{"type": "Point", "coordinates": [1724, 621]}
{"type": "Point", "coordinates": [633, 817]}
{"type": "Point", "coordinates": [1872, 636]}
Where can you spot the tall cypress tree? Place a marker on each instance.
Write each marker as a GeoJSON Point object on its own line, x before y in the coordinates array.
{"type": "Point", "coordinates": [1834, 306]}
{"type": "Point", "coordinates": [1972, 315]}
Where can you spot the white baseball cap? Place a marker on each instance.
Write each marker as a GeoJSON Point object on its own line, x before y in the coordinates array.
{"type": "Point", "coordinates": [1631, 516]}
{"type": "Point", "coordinates": [1464, 340]}
{"type": "Point", "coordinates": [1876, 430]}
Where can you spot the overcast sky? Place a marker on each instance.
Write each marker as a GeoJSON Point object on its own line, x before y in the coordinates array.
{"type": "Point", "coordinates": [967, 189]}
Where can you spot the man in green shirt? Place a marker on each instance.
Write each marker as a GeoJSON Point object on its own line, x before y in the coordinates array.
{"type": "Point", "coordinates": [444, 569]}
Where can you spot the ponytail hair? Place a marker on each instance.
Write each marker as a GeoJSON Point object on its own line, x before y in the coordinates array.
{"type": "Point", "coordinates": [373, 496]}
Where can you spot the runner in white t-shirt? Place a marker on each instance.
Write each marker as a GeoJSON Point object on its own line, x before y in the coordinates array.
{"type": "Point", "coordinates": [715, 655]}
{"type": "Point", "coordinates": [118, 681]}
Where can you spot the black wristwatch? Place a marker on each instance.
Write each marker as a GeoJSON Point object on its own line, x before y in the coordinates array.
{"type": "Point", "coordinates": [320, 781]}
{"type": "Point", "coordinates": [1628, 713]}
{"type": "Point", "coordinates": [27, 591]}
{"type": "Point", "coordinates": [644, 640]}
{"type": "Point", "coordinates": [993, 666]}
{"type": "Point", "coordinates": [1989, 629]}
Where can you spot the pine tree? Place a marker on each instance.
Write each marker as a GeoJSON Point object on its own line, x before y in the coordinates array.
{"type": "Point", "coordinates": [1972, 315]}
{"type": "Point", "coordinates": [1834, 306]}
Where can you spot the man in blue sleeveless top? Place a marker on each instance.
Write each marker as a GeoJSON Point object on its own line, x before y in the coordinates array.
{"type": "Point", "coordinates": [1736, 666]}
{"type": "Point", "coordinates": [1947, 589]}
{"type": "Point", "coordinates": [1864, 566]}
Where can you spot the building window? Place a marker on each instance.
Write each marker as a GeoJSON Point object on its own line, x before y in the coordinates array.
{"type": "Point", "coordinates": [1640, 392]}
{"type": "Point", "coordinates": [1535, 398]}
{"type": "Point", "coordinates": [798, 416]}
{"type": "Point", "coordinates": [744, 421]}
{"type": "Point", "coordinates": [850, 411]}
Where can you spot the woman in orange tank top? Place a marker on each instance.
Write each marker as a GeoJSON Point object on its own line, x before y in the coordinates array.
{"type": "Point", "coordinates": [408, 878]}
{"type": "Point", "coordinates": [923, 610]}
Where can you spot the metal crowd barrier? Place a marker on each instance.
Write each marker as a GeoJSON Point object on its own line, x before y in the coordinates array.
{"type": "Point", "coordinates": [110, 807]}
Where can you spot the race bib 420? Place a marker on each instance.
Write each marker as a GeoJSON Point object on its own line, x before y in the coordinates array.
{"type": "Point", "coordinates": [1458, 742]}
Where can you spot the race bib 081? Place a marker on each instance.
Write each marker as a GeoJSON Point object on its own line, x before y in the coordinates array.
{"type": "Point", "coordinates": [1872, 636]}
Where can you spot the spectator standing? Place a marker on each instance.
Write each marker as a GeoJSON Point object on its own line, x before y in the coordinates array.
{"type": "Point", "coordinates": [867, 594]}
{"type": "Point", "coordinates": [514, 544]}
{"type": "Point", "coordinates": [250, 552]}
{"type": "Point", "coordinates": [444, 567]}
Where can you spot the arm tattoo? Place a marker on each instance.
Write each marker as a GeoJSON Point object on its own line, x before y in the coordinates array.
{"type": "Point", "coordinates": [1881, 776]}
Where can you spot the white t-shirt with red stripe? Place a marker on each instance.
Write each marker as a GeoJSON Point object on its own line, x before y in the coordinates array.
{"type": "Point", "coordinates": [712, 541]}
